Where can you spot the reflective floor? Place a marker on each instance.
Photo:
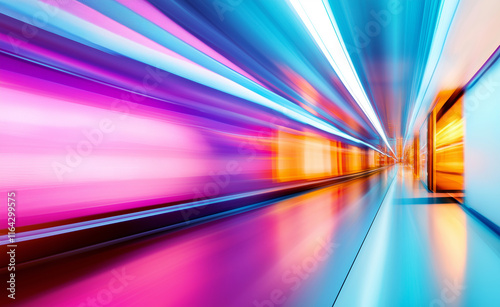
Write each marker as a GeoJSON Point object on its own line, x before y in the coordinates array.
{"type": "Point", "coordinates": [424, 250]}
{"type": "Point", "coordinates": [382, 240]}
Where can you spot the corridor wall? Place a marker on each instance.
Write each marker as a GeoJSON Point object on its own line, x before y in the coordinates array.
{"type": "Point", "coordinates": [482, 142]}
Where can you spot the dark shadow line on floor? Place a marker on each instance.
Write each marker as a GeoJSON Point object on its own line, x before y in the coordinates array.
{"type": "Point", "coordinates": [426, 201]}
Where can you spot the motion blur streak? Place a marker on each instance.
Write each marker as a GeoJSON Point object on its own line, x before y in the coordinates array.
{"type": "Point", "coordinates": [229, 153]}
{"type": "Point", "coordinates": [277, 238]}
{"type": "Point", "coordinates": [323, 28]}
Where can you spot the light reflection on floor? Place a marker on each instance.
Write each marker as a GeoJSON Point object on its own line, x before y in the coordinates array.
{"type": "Point", "coordinates": [422, 250]}
{"type": "Point", "coordinates": [297, 251]}
{"type": "Point", "coordinates": [435, 254]}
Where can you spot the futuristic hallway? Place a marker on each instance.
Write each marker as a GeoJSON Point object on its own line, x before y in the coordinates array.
{"type": "Point", "coordinates": [250, 153]}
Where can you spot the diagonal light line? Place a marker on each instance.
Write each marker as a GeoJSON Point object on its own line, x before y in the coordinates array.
{"type": "Point", "coordinates": [321, 24]}
{"type": "Point", "coordinates": [446, 15]}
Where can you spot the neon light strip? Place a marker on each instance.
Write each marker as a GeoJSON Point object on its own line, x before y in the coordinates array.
{"type": "Point", "coordinates": [445, 18]}
{"type": "Point", "coordinates": [319, 20]}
